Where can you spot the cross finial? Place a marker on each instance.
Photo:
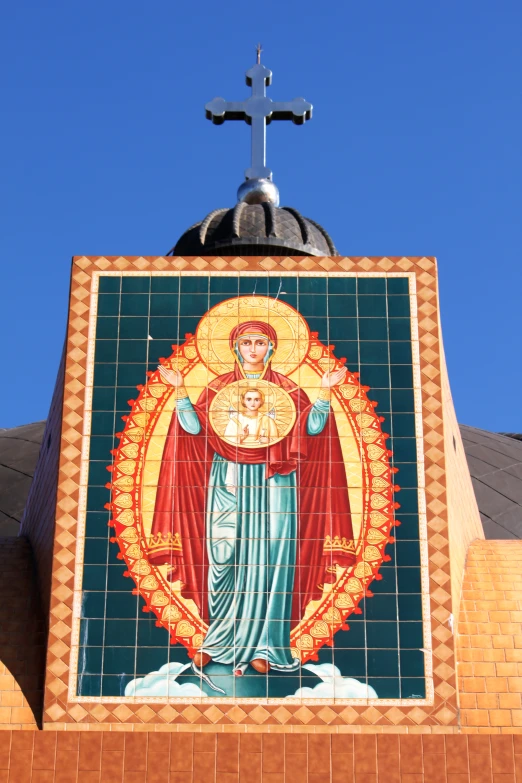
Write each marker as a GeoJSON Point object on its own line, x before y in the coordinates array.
{"type": "Point", "coordinates": [258, 111]}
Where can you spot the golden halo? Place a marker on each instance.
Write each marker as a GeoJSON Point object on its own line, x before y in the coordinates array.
{"type": "Point", "coordinates": [212, 333]}
{"type": "Point", "coordinates": [274, 420]}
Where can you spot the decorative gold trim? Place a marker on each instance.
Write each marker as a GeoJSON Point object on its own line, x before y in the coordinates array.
{"type": "Point", "coordinates": [338, 544]}
{"type": "Point", "coordinates": [161, 542]}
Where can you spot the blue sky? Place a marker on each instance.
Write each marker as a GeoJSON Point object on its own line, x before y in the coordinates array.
{"type": "Point", "coordinates": [414, 149]}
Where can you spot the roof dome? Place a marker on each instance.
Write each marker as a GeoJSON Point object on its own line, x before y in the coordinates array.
{"type": "Point", "coordinates": [495, 464]}
{"type": "Point", "coordinates": [254, 230]}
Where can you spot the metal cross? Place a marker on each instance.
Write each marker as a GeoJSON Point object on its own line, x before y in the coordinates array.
{"type": "Point", "coordinates": [258, 111]}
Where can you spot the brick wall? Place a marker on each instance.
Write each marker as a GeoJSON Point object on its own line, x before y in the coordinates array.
{"type": "Point", "coordinates": [124, 757]}
{"type": "Point", "coordinates": [22, 638]}
{"type": "Point", "coordinates": [489, 642]}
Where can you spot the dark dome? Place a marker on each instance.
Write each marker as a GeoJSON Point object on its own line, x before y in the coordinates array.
{"type": "Point", "coordinates": [254, 230]}
{"type": "Point", "coordinates": [19, 449]}
{"type": "Point", "coordinates": [495, 464]}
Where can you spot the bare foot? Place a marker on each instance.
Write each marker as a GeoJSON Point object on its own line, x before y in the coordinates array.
{"type": "Point", "coordinates": [260, 665]}
{"type": "Point", "coordinates": [201, 659]}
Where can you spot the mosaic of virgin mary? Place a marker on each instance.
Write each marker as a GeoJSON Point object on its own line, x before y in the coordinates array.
{"type": "Point", "coordinates": [251, 488]}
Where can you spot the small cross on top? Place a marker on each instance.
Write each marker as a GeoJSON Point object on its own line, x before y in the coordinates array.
{"type": "Point", "coordinates": [258, 111]}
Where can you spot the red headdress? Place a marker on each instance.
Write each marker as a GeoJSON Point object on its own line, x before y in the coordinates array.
{"type": "Point", "coordinates": [253, 327]}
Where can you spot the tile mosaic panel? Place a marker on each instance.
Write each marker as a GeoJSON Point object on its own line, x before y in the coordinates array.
{"type": "Point", "coordinates": [226, 538]}
{"type": "Point", "coordinates": [222, 563]}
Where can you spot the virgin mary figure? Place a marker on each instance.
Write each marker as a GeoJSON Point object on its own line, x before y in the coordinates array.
{"type": "Point", "coordinates": [252, 534]}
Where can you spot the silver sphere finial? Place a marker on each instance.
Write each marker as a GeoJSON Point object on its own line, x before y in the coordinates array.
{"type": "Point", "coordinates": [257, 191]}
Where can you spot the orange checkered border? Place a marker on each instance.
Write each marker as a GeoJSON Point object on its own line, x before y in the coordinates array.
{"type": "Point", "coordinates": [442, 711]}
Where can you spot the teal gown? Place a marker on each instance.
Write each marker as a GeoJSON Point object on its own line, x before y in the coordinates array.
{"type": "Point", "coordinates": [251, 538]}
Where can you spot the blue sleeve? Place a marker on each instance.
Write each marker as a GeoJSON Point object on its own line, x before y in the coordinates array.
{"type": "Point", "coordinates": [318, 417]}
{"type": "Point", "coordinates": [187, 416]}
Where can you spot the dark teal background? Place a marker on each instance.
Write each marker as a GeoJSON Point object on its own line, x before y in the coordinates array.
{"type": "Point", "coordinates": [368, 321]}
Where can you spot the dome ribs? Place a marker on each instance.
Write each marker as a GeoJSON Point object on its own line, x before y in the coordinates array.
{"type": "Point", "coordinates": [236, 218]}
{"type": "Point", "coordinates": [301, 222]}
{"type": "Point", "coordinates": [326, 235]}
{"type": "Point", "coordinates": [253, 229]}
{"type": "Point", "coordinates": [206, 223]}
{"type": "Point", "coordinates": [270, 219]}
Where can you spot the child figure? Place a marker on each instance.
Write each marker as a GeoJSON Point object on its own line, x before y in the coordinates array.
{"type": "Point", "coordinates": [248, 427]}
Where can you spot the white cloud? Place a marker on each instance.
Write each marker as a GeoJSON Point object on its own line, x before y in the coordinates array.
{"type": "Point", "coordinates": [333, 685]}
{"type": "Point", "coordinates": [164, 683]}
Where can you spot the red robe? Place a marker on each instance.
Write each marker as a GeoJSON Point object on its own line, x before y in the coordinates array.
{"type": "Point", "coordinates": [325, 535]}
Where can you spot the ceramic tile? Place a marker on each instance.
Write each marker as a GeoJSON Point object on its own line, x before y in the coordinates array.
{"type": "Point", "coordinates": [342, 286]}
{"type": "Point", "coordinates": [409, 606]}
{"type": "Point", "coordinates": [109, 304]}
{"type": "Point", "coordinates": [413, 688]}
{"type": "Point", "coordinates": [104, 375]}
{"type": "Point", "coordinates": [374, 352]}
{"type": "Point", "coordinates": [397, 285]}
{"type": "Point", "coordinates": [377, 376]}
{"type": "Point", "coordinates": [337, 328]}
{"type": "Point", "coordinates": [382, 662]}
{"type": "Point", "coordinates": [382, 634]}
{"type": "Point", "coordinates": [371, 285]}
{"type": "Point", "coordinates": [386, 687]}
{"type": "Point", "coordinates": [110, 285]}
{"type": "Point", "coordinates": [164, 304]}
{"type": "Point", "coordinates": [399, 329]}
{"type": "Point", "coordinates": [106, 351]}
{"type": "Point", "coordinates": [120, 633]}
{"type": "Point", "coordinates": [398, 306]}
{"type": "Point", "coordinates": [134, 304]}
{"type": "Point", "coordinates": [371, 306]}
{"type": "Point", "coordinates": [135, 285]}
{"type": "Point", "coordinates": [400, 352]}
{"type": "Point", "coordinates": [137, 328]}
{"type": "Point", "coordinates": [106, 328]}
{"type": "Point", "coordinates": [133, 351]}
{"type": "Point", "coordinates": [194, 285]}
{"type": "Point", "coordinates": [165, 285]}
{"type": "Point", "coordinates": [99, 496]}
{"type": "Point", "coordinates": [312, 285]}
{"type": "Point", "coordinates": [220, 286]}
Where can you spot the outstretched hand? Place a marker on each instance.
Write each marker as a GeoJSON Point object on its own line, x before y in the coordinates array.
{"type": "Point", "coordinates": [172, 377]}
{"type": "Point", "coordinates": [331, 379]}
